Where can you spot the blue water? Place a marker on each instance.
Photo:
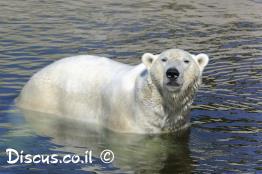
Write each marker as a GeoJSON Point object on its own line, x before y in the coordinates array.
{"type": "Point", "coordinates": [226, 132]}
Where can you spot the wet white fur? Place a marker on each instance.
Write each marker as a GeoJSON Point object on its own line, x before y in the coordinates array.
{"type": "Point", "coordinates": [120, 97]}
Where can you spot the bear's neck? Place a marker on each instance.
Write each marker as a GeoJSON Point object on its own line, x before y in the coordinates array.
{"type": "Point", "coordinates": [170, 110]}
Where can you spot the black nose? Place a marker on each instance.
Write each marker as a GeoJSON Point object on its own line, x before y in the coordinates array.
{"type": "Point", "coordinates": [172, 73]}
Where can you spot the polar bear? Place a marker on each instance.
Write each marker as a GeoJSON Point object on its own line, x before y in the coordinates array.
{"type": "Point", "coordinates": [152, 97]}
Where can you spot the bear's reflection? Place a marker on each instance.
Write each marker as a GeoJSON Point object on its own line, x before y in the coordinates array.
{"type": "Point", "coordinates": [133, 153]}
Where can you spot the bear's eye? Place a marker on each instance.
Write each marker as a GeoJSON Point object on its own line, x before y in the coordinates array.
{"type": "Point", "coordinates": [186, 61]}
{"type": "Point", "coordinates": [164, 60]}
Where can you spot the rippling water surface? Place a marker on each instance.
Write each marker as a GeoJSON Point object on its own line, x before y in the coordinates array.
{"type": "Point", "coordinates": [226, 132]}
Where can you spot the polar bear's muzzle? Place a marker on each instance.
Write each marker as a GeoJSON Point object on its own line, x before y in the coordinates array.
{"type": "Point", "coordinates": [174, 80]}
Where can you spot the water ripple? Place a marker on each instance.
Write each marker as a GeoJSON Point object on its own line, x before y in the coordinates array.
{"type": "Point", "coordinates": [226, 132]}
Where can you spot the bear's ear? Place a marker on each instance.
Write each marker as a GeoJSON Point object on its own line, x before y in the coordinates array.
{"type": "Point", "coordinates": [148, 59]}
{"type": "Point", "coordinates": [202, 60]}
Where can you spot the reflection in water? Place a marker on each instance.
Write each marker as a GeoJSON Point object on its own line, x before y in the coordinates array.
{"type": "Point", "coordinates": [139, 153]}
{"type": "Point", "coordinates": [226, 116]}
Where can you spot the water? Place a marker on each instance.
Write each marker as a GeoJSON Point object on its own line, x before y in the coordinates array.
{"type": "Point", "coordinates": [226, 132]}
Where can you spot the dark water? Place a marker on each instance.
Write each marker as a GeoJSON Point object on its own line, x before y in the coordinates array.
{"type": "Point", "coordinates": [226, 132]}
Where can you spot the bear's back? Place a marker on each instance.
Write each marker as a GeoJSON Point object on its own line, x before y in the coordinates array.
{"type": "Point", "coordinates": [80, 76]}
{"type": "Point", "coordinates": [79, 66]}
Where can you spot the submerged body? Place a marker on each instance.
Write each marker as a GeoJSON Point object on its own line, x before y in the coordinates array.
{"type": "Point", "coordinates": [152, 97]}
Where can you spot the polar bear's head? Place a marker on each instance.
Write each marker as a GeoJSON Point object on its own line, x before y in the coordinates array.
{"type": "Point", "coordinates": [175, 69]}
